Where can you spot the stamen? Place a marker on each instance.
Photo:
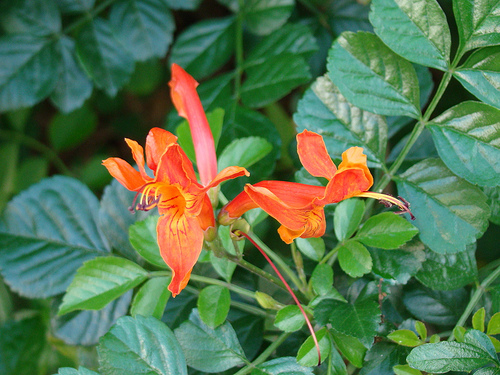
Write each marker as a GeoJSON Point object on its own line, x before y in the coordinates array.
{"type": "Point", "coordinates": [146, 202]}
{"type": "Point", "coordinates": [389, 201]}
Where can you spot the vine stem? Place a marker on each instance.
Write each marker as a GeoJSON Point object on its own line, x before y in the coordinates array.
{"type": "Point", "coordinates": [475, 299]}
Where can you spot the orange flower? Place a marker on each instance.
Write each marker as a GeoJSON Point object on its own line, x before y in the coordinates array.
{"type": "Point", "coordinates": [299, 207]}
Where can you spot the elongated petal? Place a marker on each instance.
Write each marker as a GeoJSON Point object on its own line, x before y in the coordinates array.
{"type": "Point", "coordinates": [174, 167]}
{"type": "Point", "coordinates": [346, 184]}
{"type": "Point", "coordinates": [157, 142]}
{"type": "Point", "coordinates": [124, 173]}
{"type": "Point", "coordinates": [138, 155]}
{"type": "Point", "coordinates": [314, 156]}
{"type": "Point", "coordinates": [180, 239]}
{"type": "Point", "coordinates": [206, 216]}
{"type": "Point", "coordinates": [188, 104]}
{"type": "Point", "coordinates": [227, 174]}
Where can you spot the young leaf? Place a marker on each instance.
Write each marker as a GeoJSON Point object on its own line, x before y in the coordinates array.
{"type": "Point", "coordinates": [351, 348]}
{"type": "Point", "coordinates": [458, 333]}
{"type": "Point", "coordinates": [99, 281]}
{"type": "Point", "coordinates": [405, 337]}
{"type": "Point", "coordinates": [213, 305]}
{"type": "Point", "coordinates": [244, 152]}
{"type": "Point", "coordinates": [478, 319]}
{"type": "Point", "coordinates": [282, 366]}
{"type": "Point", "coordinates": [54, 221]}
{"type": "Point", "coordinates": [263, 17]}
{"type": "Point", "coordinates": [405, 370]}
{"type": "Point", "coordinates": [207, 349]}
{"type": "Point", "coordinates": [313, 248]}
{"type": "Point", "coordinates": [204, 47]}
{"type": "Point", "coordinates": [151, 298]}
{"type": "Point", "coordinates": [347, 217]}
{"type": "Point", "coordinates": [494, 325]}
{"type": "Point", "coordinates": [322, 279]}
{"type": "Point", "coordinates": [386, 231]}
{"type": "Point", "coordinates": [289, 319]}
{"type": "Point", "coordinates": [467, 139]}
{"type": "Point", "coordinates": [325, 110]}
{"type": "Point", "coordinates": [450, 212]}
{"type": "Point", "coordinates": [415, 30]}
{"type": "Point", "coordinates": [480, 74]}
{"type": "Point", "coordinates": [144, 27]}
{"type": "Point", "coordinates": [421, 329]}
{"type": "Point", "coordinates": [140, 345]}
{"type": "Point", "coordinates": [308, 353]}
{"type": "Point", "coordinates": [69, 130]}
{"type": "Point", "coordinates": [143, 239]}
{"type": "Point", "coordinates": [373, 77]}
{"type": "Point", "coordinates": [354, 259]}
{"type": "Point", "coordinates": [104, 58]}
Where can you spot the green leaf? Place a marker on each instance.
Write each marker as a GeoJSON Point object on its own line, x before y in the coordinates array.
{"type": "Point", "coordinates": [415, 30]}
{"type": "Point", "coordinates": [347, 217]}
{"type": "Point", "coordinates": [73, 86]}
{"type": "Point", "coordinates": [313, 248]}
{"type": "Point", "coordinates": [282, 366]}
{"type": "Point", "coordinates": [29, 70]}
{"type": "Point", "coordinates": [354, 259]}
{"type": "Point", "coordinates": [351, 348]}
{"type": "Point", "coordinates": [382, 358]}
{"type": "Point", "coordinates": [144, 27]}
{"type": "Point", "coordinates": [337, 362]}
{"type": "Point", "coordinates": [224, 266]}
{"type": "Point", "coordinates": [448, 356]}
{"type": "Point", "coordinates": [308, 352]}
{"type": "Point", "coordinates": [493, 195]}
{"type": "Point", "coordinates": [103, 57]}
{"type": "Point", "coordinates": [71, 6]}
{"type": "Point", "coordinates": [71, 371]}
{"type": "Point", "coordinates": [140, 345]}
{"type": "Point", "coordinates": [99, 281]}
{"type": "Point", "coordinates": [481, 340]}
{"type": "Point", "coordinates": [477, 22]}
{"type": "Point", "coordinates": [273, 79]}
{"type": "Point", "coordinates": [54, 222]}
{"type": "Point", "coordinates": [263, 16]}
{"type": "Point", "coordinates": [322, 279]}
{"type": "Point", "coordinates": [421, 329]}
{"type": "Point", "coordinates": [151, 298]}
{"type": "Point", "coordinates": [448, 271]}
{"type": "Point", "coordinates": [216, 93]}
{"type": "Point", "coordinates": [372, 77]}
{"type": "Point", "coordinates": [450, 212]}
{"type": "Point", "coordinates": [35, 17]}
{"type": "Point", "coordinates": [386, 231]}
{"type": "Point", "coordinates": [405, 337]}
{"type": "Point", "coordinates": [405, 370]}
{"type": "Point", "coordinates": [205, 46]}
{"type": "Point", "coordinates": [468, 140]}
{"type": "Point", "coordinates": [494, 325]}
{"type": "Point", "coordinates": [214, 302]}
{"type": "Point", "coordinates": [143, 238]}
{"type": "Point", "coordinates": [458, 333]}
{"type": "Point", "coordinates": [244, 152]}
{"type": "Point", "coordinates": [289, 319]}
{"type": "Point", "coordinates": [9, 159]}
{"type": "Point", "coordinates": [325, 110]}
{"type": "Point", "coordinates": [250, 331]}
{"type": "Point", "coordinates": [488, 371]}
{"type": "Point", "coordinates": [481, 75]}
{"type": "Point", "coordinates": [69, 130]}
{"type": "Point", "coordinates": [147, 76]}
{"type": "Point", "coordinates": [207, 349]}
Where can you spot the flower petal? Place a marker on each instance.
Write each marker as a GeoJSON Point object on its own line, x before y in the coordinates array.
{"type": "Point", "coordinates": [174, 167]}
{"type": "Point", "coordinates": [188, 104]}
{"type": "Point", "coordinates": [157, 142]}
{"type": "Point", "coordinates": [138, 155]}
{"type": "Point", "coordinates": [180, 239]}
{"type": "Point", "coordinates": [206, 216]}
{"type": "Point", "coordinates": [314, 156]}
{"type": "Point", "coordinates": [227, 174]}
{"type": "Point", "coordinates": [124, 173]}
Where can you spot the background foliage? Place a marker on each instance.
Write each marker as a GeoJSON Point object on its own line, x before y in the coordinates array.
{"type": "Point", "coordinates": [415, 83]}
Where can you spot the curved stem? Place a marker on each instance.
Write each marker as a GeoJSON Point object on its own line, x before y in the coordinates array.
{"type": "Point", "coordinates": [330, 254]}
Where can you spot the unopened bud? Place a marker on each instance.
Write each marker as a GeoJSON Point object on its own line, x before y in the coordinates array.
{"type": "Point", "coordinates": [210, 234]}
{"type": "Point", "coordinates": [268, 302]}
{"type": "Point", "coordinates": [239, 225]}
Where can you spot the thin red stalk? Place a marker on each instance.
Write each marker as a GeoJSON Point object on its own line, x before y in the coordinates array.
{"type": "Point", "coordinates": [309, 325]}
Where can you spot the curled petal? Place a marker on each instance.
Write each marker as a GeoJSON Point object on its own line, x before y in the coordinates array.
{"type": "Point", "coordinates": [314, 156]}
{"type": "Point", "coordinates": [227, 174]}
{"type": "Point", "coordinates": [157, 142]}
{"type": "Point", "coordinates": [353, 157]}
{"type": "Point", "coordinates": [206, 215]}
{"type": "Point", "coordinates": [345, 184]}
{"type": "Point", "coordinates": [174, 167]}
{"type": "Point", "coordinates": [138, 155]}
{"type": "Point", "coordinates": [124, 173]}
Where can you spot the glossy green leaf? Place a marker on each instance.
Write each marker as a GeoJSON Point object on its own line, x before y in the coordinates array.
{"type": "Point", "coordinates": [313, 248]}
{"type": "Point", "coordinates": [151, 298]}
{"type": "Point", "coordinates": [263, 16]}
{"type": "Point", "coordinates": [205, 46]}
{"type": "Point", "coordinates": [207, 349]}
{"type": "Point", "coordinates": [289, 319]}
{"type": "Point", "coordinates": [493, 195]}
{"type": "Point", "coordinates": [477, 22]}
{"type": "Point", "coordinates": [73, 86]}
{"type": "Point", "coordinates": [144, 27]}
{"type": "Point", "coordinates": [415, 30]}
{"type": "Point", "coordinates": [382, 358]}
{"type": "Point", "coordinates": [405, 370]}
{"type": "Point", "coordinates": [450, 212]}
{"type": "Point", "coordinates": [103, 57]}
{"type": "Point", "coordinates": [99, 281]}
{"type": "Point", "coordinates": [54, 222]}
{"type": "Point", "coordinates": [347, 217]}
{"type": "Point", "coordinates": [351, 348]}
{"type": "Point", "coordinates": [282, 366]}
{"type": "Point", "coordinates": [481, 340]}
{"type": "Point", "coordinates": [216, 92]}
{"type": "Point", "coordinates": [273, 79]}
{"type": "Point", "coordinates": [480, 74]}
{"type": "Point", "coordinates": [244, 152]}
{"type": "Point", "coordinates": [373, 77]}
{"type": "Point", "coordinates": [322, 279]}
{"type": "Point", "coordinates": [29, 69]}
{"type": "Point", "coordinates": [337, 362]}
{"type": "Point", "coordinates": [69, 130]}
{"type": "Point", "coordinates": [404, 337]}
{"type": "Point", "coordinates": [448, 271]}
{"type": "Point", "coordinates": [143, 238]}
{"type": "Point", "coordinates": [494, 325]}
{"type": "Point", "coordinates": [71, 6]}
{"type": "Point", "coordinates": [354, 259]}
{"type": "Point", "coordinates": [214, 302]}
{"type": "Point", "coordinates": [386, 231]}
{"type": "Point", "coordinates": [325, 110]}
{"type": "Point", "coordinates": [478, 319]}
{"type": "Point", "coordinates": [308, 352]}
{"type": "Point", "coordinates": [36, 17]}
{"type": "Point", "coordinates": [250, 331]}
{"type": "Point", "coordinates": [140, 345]}
{"type": "Point", "coordinates": [71, 371]}
{"type": "Point", "coordinates": [488, 371]}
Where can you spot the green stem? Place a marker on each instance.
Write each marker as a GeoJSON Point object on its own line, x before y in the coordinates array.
{"type": "Point", "coordinates": [475, 299]}
{"type": "Point", "coordinates": [265, 354]}
{"type": "Point", "coordinates": [88, 16]}
{"type": "Point", "coordinates": [299, 266]}
{"type": "Point", "coordinates": [46, 151]}
{"type": "Point", "coordinates": [330, 254]}
{"type": "Point", "coordinates": [254, 269]}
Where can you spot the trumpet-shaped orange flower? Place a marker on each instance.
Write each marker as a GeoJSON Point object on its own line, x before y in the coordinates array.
{"type": "Point", "coordinates": [299, 207]}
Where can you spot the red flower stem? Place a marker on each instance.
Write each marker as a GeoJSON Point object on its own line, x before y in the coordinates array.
{"type": "Point", "coordinates": [308, 322]}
